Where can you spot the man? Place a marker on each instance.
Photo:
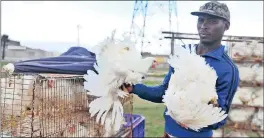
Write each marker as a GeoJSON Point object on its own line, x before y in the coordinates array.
{"type": "Point", "coordinates": [213, 21]}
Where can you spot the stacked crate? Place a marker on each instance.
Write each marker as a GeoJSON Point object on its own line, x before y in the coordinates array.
{"type": "Point", "coordinates": [246, 114]}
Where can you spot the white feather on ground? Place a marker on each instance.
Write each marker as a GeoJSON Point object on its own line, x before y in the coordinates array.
{"type": "Point", "coordinates": [188, 93]}
{"type": "Point", "coordinates": [118, 62]}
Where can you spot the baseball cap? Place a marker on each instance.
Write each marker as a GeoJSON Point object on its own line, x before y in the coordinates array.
{"type": "Point", "coordinates": [214, 8]}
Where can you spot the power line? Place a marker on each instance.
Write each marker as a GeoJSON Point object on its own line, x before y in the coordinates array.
{"type": "Point", "coordinates": [142, 8]}
{"type": "Point", "coordinates": [144, 25]}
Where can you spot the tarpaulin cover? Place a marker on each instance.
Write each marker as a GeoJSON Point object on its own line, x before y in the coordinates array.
{"type": "Point", "coordinates": [77, 60]}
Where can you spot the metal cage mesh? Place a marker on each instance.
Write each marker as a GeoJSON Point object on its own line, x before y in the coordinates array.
{"type": "Point", "coordinates": [48, 105]}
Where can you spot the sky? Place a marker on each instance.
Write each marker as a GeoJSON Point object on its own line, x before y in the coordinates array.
{"type": "Point", "coordinates": [52, 25]}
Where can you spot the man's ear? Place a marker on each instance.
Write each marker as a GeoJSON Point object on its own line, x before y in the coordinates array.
{"type": "Point", "coordinates": [227, 25]}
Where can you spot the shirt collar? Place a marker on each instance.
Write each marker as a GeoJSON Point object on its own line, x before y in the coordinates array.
{"type": "Point", "coordinates": [216, 53]}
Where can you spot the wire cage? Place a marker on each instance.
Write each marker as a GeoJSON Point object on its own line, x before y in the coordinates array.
{"type": "Point", "coordinates": [249, 51]}
{"type": "Point", "coordinates": [48, 105]}
{"type": "Point", "coordinates": [246, 114]}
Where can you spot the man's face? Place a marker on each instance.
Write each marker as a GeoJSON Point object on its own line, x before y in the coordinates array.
{"type": "Point", "coordinates": [211, 28]}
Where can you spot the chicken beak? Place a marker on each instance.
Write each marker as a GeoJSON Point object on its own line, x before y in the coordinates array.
{"type": "Point", "coordinates": [155, 63]}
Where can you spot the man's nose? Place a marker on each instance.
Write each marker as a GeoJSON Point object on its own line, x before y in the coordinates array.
{"type": "Point", "coordinates": [204, 25]}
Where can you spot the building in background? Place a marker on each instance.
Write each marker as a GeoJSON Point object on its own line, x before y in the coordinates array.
{"type": "Point", "coordinates": [15, 52]}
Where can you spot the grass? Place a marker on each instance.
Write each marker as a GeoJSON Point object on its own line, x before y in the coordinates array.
{"type": "Point", "coordinates": [151, 83]}
{"type": "Point", "coordinates": [157, 75]}
{"type": "Point", "coordinates": [2, 63]}
{"type": "Point", "coordinates": [152, 112]}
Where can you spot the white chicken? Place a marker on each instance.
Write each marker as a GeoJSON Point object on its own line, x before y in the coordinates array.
{"type": "Point", "coordinates": [244, 95]}
{"type": "Point", "coordinates": [259, 74]}
{"type": "Point", "coordinates": [242, 50]}
{"type": "Point", "coordinates": [118, 62]}
{"type": "Point", "coordinates": [257, 98]}
{"type": "Point", "coordinates": [241, 115]}
{"type": "Point", "coordinates": [188, 93]}
{"type": "Point", "coordinates": [9, 68]}
{"type": "Point", "coordinates": [258, 119]}
{"type": "Point", "coordinates": [258, 49]}
{"type": "Point", "coordinates": [247, 73]}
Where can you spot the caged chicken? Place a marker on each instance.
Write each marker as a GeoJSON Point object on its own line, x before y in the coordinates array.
{"type": "Point", "coordinates": [257, 98]}
{"type": "Point", "coordinates": [247, 73]}
{"type": "Point", "coordinates": [258, 119]}
{"type": "Point", "coordinates": [244, 95]}
{"type": "Point", "coordinates": [258, 49]}
{"type": "Point", "coordinates": [238, 115]}
{"type": "Point", "coordinates": [242, 50]}
{"type": "Point", "coordinates": [49, 100]}
{"type": "Point", "coordinates": [118, 62]}
{"type": "Point", "coordinates": [259, 74]}
{"type": "Point", "coordinates": [192, 111]}
{"type": "Point", "coordinates": [16, 94]}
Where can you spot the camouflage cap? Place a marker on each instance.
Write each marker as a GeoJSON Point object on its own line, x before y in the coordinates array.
{"type": "Point", "coordinates": [214, 8]}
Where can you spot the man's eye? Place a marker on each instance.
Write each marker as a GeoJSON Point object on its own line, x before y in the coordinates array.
{"type": "Point", "coordinates": [213, 21]}
{"type": "Point", "coordinates": [200, 20]}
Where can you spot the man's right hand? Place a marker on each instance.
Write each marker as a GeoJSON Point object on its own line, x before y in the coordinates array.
{"type": "Point", "coordinates": [127, 88]}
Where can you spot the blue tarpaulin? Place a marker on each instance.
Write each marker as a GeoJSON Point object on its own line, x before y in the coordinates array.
{"type": "Point", "coordinates": [77, 60]}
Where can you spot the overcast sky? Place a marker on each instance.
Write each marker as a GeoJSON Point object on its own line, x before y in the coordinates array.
{"type": "Point", "coordinates": [52, 25]}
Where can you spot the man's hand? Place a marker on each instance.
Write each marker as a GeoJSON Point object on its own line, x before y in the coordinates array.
{"type": "Point", "coordinates": [126, 88]}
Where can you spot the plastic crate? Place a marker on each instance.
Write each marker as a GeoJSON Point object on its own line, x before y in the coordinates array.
{"type": "Point", "coordinates": [138, 124]}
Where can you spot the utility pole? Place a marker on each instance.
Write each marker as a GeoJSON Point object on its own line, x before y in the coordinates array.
{"type": "Point", "coordinates": [78, 34]}
{"type": "Point", "coordinates": [4, 40]}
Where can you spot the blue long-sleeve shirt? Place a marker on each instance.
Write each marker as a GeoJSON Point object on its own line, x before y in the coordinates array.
{"type": "Point", "coordinates": [226, 86]}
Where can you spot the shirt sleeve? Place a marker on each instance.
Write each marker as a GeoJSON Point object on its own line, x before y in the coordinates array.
{"type": "Point", "coordinates": [153, 93]}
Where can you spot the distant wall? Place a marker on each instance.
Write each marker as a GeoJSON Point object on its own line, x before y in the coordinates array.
{"type": "Point", "coordinates": [16, 53]}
